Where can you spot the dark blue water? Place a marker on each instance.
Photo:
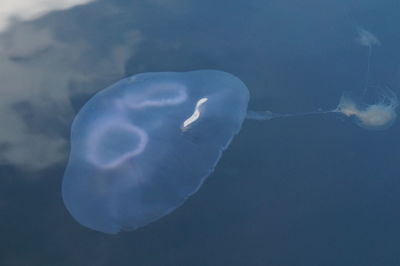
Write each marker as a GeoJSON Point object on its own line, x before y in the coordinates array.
{"type": "Point", "coordinates": [315, 190]}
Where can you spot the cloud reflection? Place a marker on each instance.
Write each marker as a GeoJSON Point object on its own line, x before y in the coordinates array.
{"type": "Point", "coordinates": [26, 10]}
{"type": "Point", "coordinates": [41, 72]}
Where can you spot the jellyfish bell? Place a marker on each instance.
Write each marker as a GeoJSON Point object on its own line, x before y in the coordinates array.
{"type": "Point", "coordinates": [366, 38]}
{"type": "Point", "coordinates": [377, 116]}
{"type": "Point", "coordinates": [142, 146]}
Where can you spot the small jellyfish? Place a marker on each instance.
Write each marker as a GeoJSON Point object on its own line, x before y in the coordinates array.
{"type": "Point", "coordinates": [368, 39]}
{"type": "Point", "coordinates": [142, 146]}
{"type": "Point", "coordinates": [378, 116]}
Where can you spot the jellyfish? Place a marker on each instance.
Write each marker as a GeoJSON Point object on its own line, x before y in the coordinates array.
{"type": "Point", "coordinates": [377, 116]}
{"type": "Point", "coordinates": [367, 39]}
{"type": "Point", "coordinates": [142, 146]}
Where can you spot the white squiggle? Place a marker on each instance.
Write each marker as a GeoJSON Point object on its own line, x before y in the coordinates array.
{"type": "Point", "coordinates": [94, 142]}
{"type": "Point", "coordinates": [196, 114]}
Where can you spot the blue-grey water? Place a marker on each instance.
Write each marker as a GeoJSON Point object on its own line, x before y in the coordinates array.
{"type": "Point", "coordinates": [299, 191]}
